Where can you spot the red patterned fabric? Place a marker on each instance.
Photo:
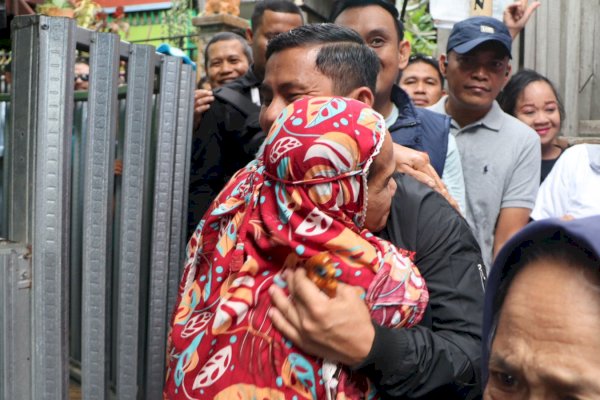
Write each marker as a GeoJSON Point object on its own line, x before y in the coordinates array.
{"type": "Point", "coordinates": [305, 195]}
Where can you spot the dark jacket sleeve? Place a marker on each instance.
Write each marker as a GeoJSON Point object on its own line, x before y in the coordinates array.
{"type": "Point", "coordinates": [440, 357]}
{"type": "Point", "coordinates": [207, 175]}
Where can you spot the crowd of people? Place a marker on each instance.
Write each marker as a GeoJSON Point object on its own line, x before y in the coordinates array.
{"type": "Point", "coordinates": [367, 223]}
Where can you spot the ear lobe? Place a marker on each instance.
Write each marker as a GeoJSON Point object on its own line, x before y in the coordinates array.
{"type": "Point", "coordinates": [249, 36]}
{"type": "Point", "coordinates": [404, 50]}
{"type": "Point", "coordinates": [363, 94]}
{"type": "Point", "coordinates": [443, 64]}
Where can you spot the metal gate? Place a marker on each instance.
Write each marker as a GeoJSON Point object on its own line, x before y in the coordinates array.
{"type": "Point", "coordinates": [72, 227]}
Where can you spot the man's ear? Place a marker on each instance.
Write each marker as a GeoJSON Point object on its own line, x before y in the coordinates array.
{"type": "Point", "coordinates": [443, 63]}
{"type": "Point", "coordinates": [507, 74]}
{"type": "Point", "coordinates": [363, 94]}
{"type": "Point", "coordinates": [404, 51]}
{"type": "Point", "coordinates": [249, 36]}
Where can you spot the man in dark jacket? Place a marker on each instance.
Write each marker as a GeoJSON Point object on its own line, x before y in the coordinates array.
{"type": "Point", "coordinates": [378, 23]}
{"type": "Point", "coordinates": [229, 135]}
{"type": "Point", "coordinates": [439, 358]}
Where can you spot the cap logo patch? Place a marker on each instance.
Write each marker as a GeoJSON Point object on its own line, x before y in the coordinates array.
{"type": "Point", "coordinates": [486, 29]}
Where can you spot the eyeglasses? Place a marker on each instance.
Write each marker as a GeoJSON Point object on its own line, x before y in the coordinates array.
{"type": "Point", "coordinates": [83, 77]}
{"type": "Point", "coordinates": [422, 57]}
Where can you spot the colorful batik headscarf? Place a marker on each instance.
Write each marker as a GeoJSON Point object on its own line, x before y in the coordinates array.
{"type": "Point", "coordinates": [305, 195]}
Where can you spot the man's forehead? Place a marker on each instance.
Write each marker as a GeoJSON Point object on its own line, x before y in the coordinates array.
{"type": "Point", "coordinates": [278, 22]}
{"type": "Point", "coordinates": [289, 57]}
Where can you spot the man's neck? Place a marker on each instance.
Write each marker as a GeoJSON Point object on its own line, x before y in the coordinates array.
{"type": "Point", "coordinates": [384, 107]}
{"type": "Point", "coordinates": [464, 116]}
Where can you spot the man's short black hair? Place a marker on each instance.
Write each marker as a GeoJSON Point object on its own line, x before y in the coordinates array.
{"type": "Point", "coordinates": [281, 6]}
{"type": "Point", "coordinates": [222, 36]}
{"type": "Point", "coordinates": [340, 5]}
{"type": "Point", "coordinates": [343, 57]}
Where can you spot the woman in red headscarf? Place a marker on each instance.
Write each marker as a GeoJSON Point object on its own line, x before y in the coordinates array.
{"type": "Point", "coordinates": [322, 184]}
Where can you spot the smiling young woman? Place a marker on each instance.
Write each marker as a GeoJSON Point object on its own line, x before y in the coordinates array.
{"type": "Point", "coordinates": [532, 98]}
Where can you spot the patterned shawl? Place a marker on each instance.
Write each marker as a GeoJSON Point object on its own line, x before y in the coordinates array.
{"type": "Point", "coordinates": [305, 195]}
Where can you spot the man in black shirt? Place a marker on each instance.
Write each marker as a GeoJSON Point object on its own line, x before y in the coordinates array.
{"type": "Point", "coordinates": [439, 358]}
{"type": "Point", "coordinates": [229, 135]}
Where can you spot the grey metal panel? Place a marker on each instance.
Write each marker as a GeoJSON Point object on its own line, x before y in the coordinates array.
{"type": "Point", "coordinates": [98, 200]}
{"type": "Point", "coordinates": [19, 161]}
{"type": "Point", "coordinates": [15, 312]}
{"type": "Point", "coordinates": [572, 60]}
{"type": "Point", "coordinates": [137, 133]}
{"type": "Point", "coordinates": [180, 182]}
{"type": "Point", "coordinates": [78, 167]}
{"type": "Point", "coordinates": [161, 231]}
{"type": "Point", "coordinates": [51, 205]}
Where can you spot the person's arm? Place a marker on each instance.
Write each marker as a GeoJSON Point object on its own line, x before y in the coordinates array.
{"type": "Point", "coordinates": [207, 176]}
{"type": "Point", "coordinates": [453, 174]}
{"type": "Point", "coordinates": [416, 164]}
{"type": "Point", "coordinates": [520, 191]}
{"type": "Point", "coordinates": [442, 353]}
{"type": "Point", "coordinates": [510, 221]}
{"type": "Point", "coordinates": [440, 357]}
{"type": "Point", "coordinates": [517, 14]}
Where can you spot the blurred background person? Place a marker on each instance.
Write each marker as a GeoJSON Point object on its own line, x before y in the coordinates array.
{"type": "Point", "coordinates": [227, 56]}
{"type": "Point", "coordinates": [532, 98]}
{"type": "Point", "coordinates": [82, 74]}
{"type": "Point", "coordinates": [422, 80]}
{"type": "Point", "coordinates": [542, 314]}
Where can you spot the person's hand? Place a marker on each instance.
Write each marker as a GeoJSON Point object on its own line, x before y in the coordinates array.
{"type": "Point", "coordinates": [337, 328]}
{"type": "Point", "coordinates": [202, 100]}
{"type": "Point", "coordinates": [416, 164]}
{"type": "Point", "coordinates": [517, 14]}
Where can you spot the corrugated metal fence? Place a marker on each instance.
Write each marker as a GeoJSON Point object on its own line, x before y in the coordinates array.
{"type": "Point", "coordinates": [562, 41]}
{"type": "Point", "coordinates": [90, 267]}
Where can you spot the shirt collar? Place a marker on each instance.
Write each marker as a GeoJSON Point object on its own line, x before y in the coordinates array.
{"type": "Point", "coordinates": [492, 120]}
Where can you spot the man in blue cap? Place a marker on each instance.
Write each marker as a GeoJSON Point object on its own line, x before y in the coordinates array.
{"type": "Point", "coordinates": [500, 155]}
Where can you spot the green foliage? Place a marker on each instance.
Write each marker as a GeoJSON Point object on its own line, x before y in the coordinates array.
{"type": "Point", "coordinates": [177, 21]}
{"type": "Point", "coordinates": [419, 29]}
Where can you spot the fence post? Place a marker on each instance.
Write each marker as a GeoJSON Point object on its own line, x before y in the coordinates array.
{"type": "Point", "coordinates": [138, 127]}
{"type": "Point", "coordinates": [161, 220]}
{"type": "Point", "coordinates": [15, 320]}
{"type": "Point", "coordinates": [97, 210]}
{"type": "Point", "coordinates": [44, 53]}
{"type": "Point", "coordinates": [181, 176]}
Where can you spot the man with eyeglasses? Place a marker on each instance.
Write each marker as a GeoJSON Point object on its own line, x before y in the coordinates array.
{"type": "Point", "coordinates": [82, 75]}
{"type": "Point", "coordinates": [500, 155]}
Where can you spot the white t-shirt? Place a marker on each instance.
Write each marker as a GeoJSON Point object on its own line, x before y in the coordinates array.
{"type": "Point", "coordinates": [573, 185]}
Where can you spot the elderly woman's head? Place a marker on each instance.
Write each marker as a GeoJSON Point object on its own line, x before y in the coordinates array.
{"type": "Point", "coordinates": [542, 315]}
{"type": "Point", "coordinates": [339, 151]}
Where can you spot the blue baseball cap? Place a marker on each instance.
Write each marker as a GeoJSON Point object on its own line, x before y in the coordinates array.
{"type": "Point", "coordinates": [470, 33]}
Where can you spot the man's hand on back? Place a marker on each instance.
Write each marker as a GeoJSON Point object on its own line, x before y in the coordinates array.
{"type": "Point", "coordinates": [337, 328]}
{"type": "Point", "coordinates": [416, 164]}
